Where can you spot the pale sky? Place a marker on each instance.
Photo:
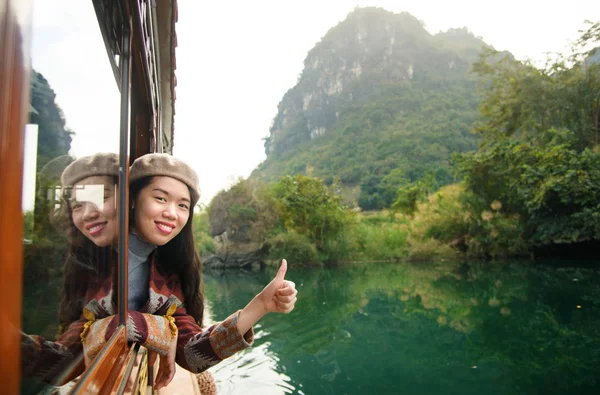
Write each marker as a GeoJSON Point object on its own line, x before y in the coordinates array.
{"type": "Point", "coordinates": [236, 59]}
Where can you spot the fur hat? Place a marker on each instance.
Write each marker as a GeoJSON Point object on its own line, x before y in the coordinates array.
{"type": "Point", "coordinates": [100, 164]}
{"type": "Point", "coordinates": [165, 165]}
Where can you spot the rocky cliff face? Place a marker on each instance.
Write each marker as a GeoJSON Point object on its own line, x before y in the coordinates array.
{"type": "Point", "coordinates": [370, 49]}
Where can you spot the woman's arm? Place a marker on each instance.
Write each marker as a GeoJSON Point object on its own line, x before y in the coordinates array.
{"type": "Point", "coordinates": [198, 350]}
{"type": "Point", "coordinates": [45, 360]}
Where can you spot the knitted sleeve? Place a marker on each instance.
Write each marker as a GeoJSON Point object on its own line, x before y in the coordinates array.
{"type": "Point", "coordinates": [152, 331]}
{"type": "Point", "coordinates": [198, 350]}
{"type": "Point", "coordinates": [45, 360]}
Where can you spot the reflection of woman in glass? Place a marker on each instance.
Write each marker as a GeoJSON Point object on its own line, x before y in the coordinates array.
{"type": "Point", "coordinates": [87, 216]}
{"type": "Point", "coordinates": [93, 209]}
{"type": "Point", "coordinates": [164, 191]}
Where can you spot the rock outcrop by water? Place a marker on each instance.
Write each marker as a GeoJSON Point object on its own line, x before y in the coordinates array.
{"type": "Point", "coordinates": [231, 254]}
{"type": "Point", "coordinates": [238, 221]}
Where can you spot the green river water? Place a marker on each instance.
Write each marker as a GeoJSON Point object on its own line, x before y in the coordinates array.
{"type": "Point", "coordinates": [508, 328]}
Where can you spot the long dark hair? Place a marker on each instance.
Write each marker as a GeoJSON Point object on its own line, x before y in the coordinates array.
{"type": "Point", "coordinates": [179, 256]}
{"type": "Point", "coordinates": [86, 264]}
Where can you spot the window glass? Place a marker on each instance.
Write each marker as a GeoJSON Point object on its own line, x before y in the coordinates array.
{"type": "Point", "coordinates": [70, 191]}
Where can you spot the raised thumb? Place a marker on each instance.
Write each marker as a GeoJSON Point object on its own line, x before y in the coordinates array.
{"type": "Point", "coordinates": [282, 269]}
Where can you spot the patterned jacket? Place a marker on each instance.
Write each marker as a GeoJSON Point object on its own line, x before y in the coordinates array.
{"type": "Point", "coordinates": [197, 349]}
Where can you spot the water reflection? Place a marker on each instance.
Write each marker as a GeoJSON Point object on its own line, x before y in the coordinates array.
{"type": "Point", "coordinates": [422, 329]}
{"type": "Point", "coordinates": [256, 372]}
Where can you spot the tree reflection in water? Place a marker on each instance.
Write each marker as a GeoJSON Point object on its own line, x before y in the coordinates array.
{"type": "Point", "coordinates": [501, 328]}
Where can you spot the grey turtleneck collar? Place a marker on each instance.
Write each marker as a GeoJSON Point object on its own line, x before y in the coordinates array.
{"type": "Point", "coordinates": [139, 271]}
{"type": "Point", "coordinates": [140, 248]}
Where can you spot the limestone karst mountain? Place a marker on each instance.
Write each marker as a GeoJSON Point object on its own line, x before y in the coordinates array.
{"type": "Point", "coordinates": [380, 101]}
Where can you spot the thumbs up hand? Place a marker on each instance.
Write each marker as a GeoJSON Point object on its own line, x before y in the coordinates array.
{"type": "Point", "coordinates": [279, 296]}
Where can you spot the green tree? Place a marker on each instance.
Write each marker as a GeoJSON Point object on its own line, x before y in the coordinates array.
{"type": "Point", "coordinates": [408, 198]}
{"type": "Point", "coordinates": [201, 230]}
{"type": "Point", "coordinates": [554, 188]}
{"type": "Point", "coordinates": [520, 101]}
{"type": "Point", "coordinates": [310, 208]}
{"type": "Point", "coordinates": [539, 152]}
{"type": "Point", "coordinates": [246, 211]}
{"type": "Point", "coordinates": [28, 224]}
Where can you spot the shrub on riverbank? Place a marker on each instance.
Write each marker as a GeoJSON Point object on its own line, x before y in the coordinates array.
{"type": "Point", "coordinates": [458, 219]}
{"type": "Point", "coordinates": [292, 244]}
{"type": "Point", "coordinates": [202, 238]}
{"type": "Point", "coordinates": [308, 208]}
{"type": "Point", "coordinates": [378, 237]}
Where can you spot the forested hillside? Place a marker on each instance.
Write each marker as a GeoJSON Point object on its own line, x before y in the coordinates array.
{"type": "Point", "coordinates": [380, 103]}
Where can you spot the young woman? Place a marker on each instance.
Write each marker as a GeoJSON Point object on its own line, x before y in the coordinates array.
{"type": "Point", "coordinates": [164, 191]}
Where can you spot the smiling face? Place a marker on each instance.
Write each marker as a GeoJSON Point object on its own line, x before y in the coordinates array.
{"type": "Point", "coordinates": [94, 209]}
{"type": "Point", "coordinates": [161, 210]}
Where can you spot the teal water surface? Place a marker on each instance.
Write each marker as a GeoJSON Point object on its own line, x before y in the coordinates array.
{"type": "Point", "coordinates": [509, 328]}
